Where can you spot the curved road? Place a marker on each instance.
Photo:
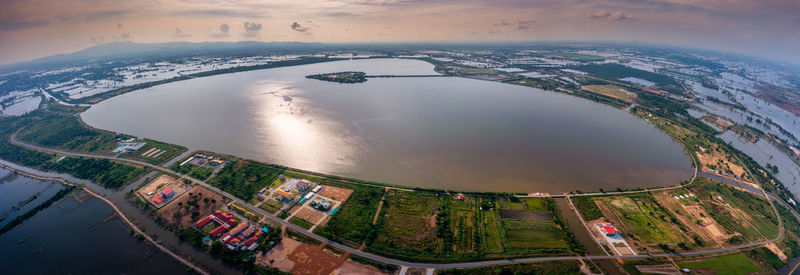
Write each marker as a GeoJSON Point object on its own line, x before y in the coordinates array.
{"type": "Point", "coordinates": [379, 258]}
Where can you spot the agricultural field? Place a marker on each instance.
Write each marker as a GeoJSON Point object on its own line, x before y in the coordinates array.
{"type": "Point", "coordinates": [559, 267]}
{"type": "Point", "coordinates": [734, 264]}
{"type": "Point", "coordinates": [244, 179]}
{"type": "Point", "coordinates": [491, 227]}
{"type": "Point", "coordinates": [528, 228]}
{"type": "Point", "coordinates": [611, 91]}
{"type": "Point", "coordinates": [574, 56]}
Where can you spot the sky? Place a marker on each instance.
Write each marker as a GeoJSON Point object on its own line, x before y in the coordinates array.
{"type": "Point", "coordinates": [765, 28]}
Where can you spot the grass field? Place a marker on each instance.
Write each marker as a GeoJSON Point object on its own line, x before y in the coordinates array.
{"type": "Point", "coordinates": [161, 152]}
{"type": "Point", "coordinates": [610, 90]}
{"type": "Point", "coordinates": [491, 223]}
{"type": "Point", "coordinates": [734, 264]}
{"type": "Point", "coordinates": [527, 228]}
{"type": "Point", "coordinates": [645, 218]}
{"type": "Point", "coordinates": [201, 173]}
{"type": "Point", "coordinates": [300, 222]}
{"type": "Point", "coordinates": [353, 223]}
{"type": "Point", "coordinates": [243, 178]}
{"type": "Point", "coordinates": [67, 132]}
{"type": "Point", "coordinates": [271, 206]}
{"type": "Point", "coordinates": [406, 223]}
{"type": "Point", "coordinates": [739, 212]}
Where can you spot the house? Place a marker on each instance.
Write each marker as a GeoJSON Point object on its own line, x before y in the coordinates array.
{"type": "Point", "coordinates": [167, 193]}
{"type": "Point", "coordinates": [284, 196]}
{"type": "Point", "coordinates": [301, 186]}
{"type": "Point", "coordinates": [460, 197]}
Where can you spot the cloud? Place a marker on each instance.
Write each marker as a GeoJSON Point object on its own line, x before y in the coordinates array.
{"type": "Point", "coordinates": [524, 24]}
{"type": "Point", "coordinates": [224, 31]}
{"type": "Point", "coordinates": [252, 29]}
{"type": "Point", "coordinates": [119, 26]}
{"type": "Point", "coordinates": [219, 13]}
{"type": "Point", "coordinates": [16, 25]}
{"type": "Point", "coordinates": [501, 23]}
{"type": "Point", "coordinates": [607, 15]}
{"type": "Point", "coordinates": [180, 33]}
{"type": "Point", "coordinates": [121, 37]}
{"type": "Point", "coordinates": [297, 27]}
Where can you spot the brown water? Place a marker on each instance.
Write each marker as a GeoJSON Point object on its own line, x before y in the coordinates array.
{"type": "Point", "coordinates": [447, 133]}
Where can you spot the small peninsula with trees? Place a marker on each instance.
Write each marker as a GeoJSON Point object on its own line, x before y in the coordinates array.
{"type": "Point", "coordinates": [341, 77]}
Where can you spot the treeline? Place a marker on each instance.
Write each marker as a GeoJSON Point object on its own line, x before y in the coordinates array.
{"type": "Point", "coordinates": [103, 171]}
{"type": "Point", "coordinates": [341, 77]}
{"type": "Point", "coordinates": [18, 220]}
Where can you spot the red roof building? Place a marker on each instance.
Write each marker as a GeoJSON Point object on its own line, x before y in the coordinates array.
{"type": "Point", "coordinates": [238, 228]}
{"type": "Point", "coordinates": [219, 230]}
{"type": "Point", "coordinates": [253, 239]}
{"type": "Point", "coordinates": [158, 199]}
{"type": "Point", "coordinates": [203, 222]}
{"type": "Point", "coordinates": [234, 241]}
{"type": "Point", "coordinates": [167, 193]}
{"type": "Point", "coordinates": [225, 218]}
{"type": "Point", "coordinates": [249, 231]}
{"type": "Point", "coordinates": [609, 230]}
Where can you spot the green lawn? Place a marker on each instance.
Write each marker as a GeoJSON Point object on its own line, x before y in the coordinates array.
{"type": "Point", "coordinates": [733, 264]}
{"type": "Point", "coordinates": [271, 206]}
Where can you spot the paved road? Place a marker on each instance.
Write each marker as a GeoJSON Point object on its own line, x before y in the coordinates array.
{"type": "Point", "coordinates": [388, 260]}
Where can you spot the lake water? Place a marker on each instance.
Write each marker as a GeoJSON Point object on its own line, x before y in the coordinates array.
{"type": "Point", "coordinates": [72, 236]}
{"type": "Point", "coordinates": [436, 132]}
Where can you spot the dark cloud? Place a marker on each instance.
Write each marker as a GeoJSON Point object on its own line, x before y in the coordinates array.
{"type": "Point", "coordinates": [252, 29]}
{"type": "Point", "coordinates": [297, 27]}
{"type": "Point", "coordinates": [16, 25]}
{"type": "Point", "coordinates": [121, 37]}
{"type": "Point", "coordinates": [337, 14]}
{"type": "Point", "coordinates": [224, 31]}
{"type": "Point", "coordinates": [180, 33]}
{"type": "Point", "coordinates": [524, 24]}
{"type": "Point", "coordinates": [607, 15]}
{"type": "Point", "coordinates": [119, 26]}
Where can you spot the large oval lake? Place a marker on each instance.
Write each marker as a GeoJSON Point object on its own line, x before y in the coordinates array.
{"type": "Point", "coordinates": [434, 132]}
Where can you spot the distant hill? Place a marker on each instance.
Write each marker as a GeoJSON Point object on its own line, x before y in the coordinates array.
{"type": "Point", "coordinates": [119, 50]}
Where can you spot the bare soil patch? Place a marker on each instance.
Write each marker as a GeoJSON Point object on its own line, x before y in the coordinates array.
{"type": "Point", "coordinates": [309, 215]}
{"type": "Point", "coordinates": [199, 199]}
{"type": "Point", "coordinates": [350, 267]}
{"type": "Point", "coordinates": [335, 193]}
{"type": "Point", "coordinates": [315, 260]}
{"type": "Point", "coordinates": [278, 257]}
